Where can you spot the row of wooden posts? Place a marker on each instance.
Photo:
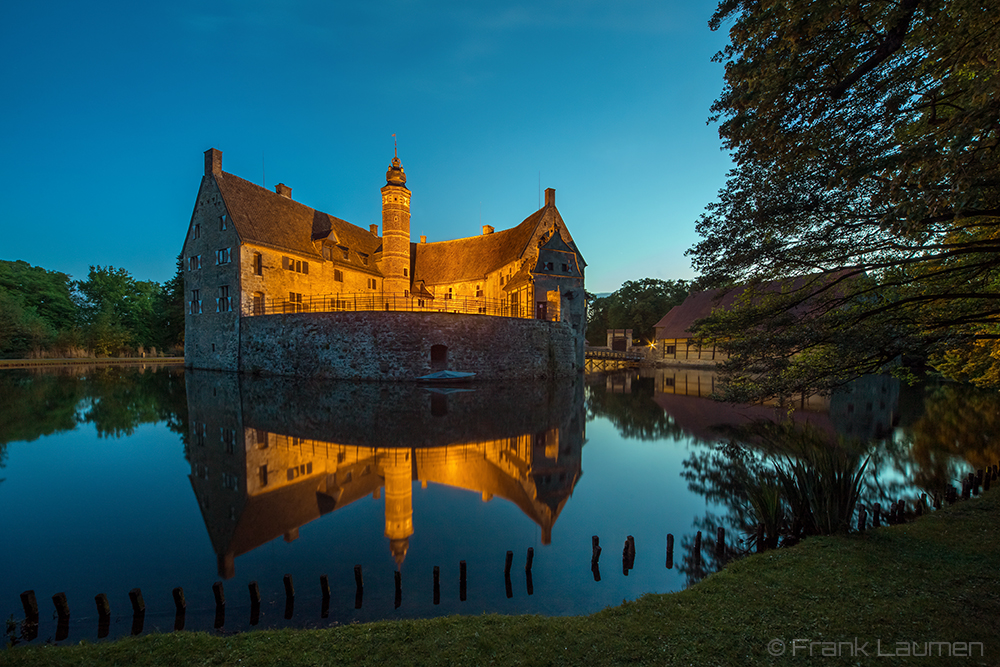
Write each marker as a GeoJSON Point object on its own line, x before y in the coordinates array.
{"type": "Point", "coordinates": [31, 614]}
{"type": "Point", "coordinates": [971, 485]}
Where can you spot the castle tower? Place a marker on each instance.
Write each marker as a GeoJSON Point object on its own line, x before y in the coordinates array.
{"type": "Point", "coordinates": [395, 230]}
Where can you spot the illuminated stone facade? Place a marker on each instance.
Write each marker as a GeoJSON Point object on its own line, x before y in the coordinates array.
{"type": "Point", "coordinates": [251, 253]}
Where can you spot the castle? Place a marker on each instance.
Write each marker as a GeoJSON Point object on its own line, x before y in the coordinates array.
{"type": "Point", "coordinates": [276, 287]}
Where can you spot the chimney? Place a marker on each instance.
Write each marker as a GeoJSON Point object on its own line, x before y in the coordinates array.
{"type": "Point", "coordinates": [550, 196]}
{"type": "Point", "coordinates": [283, 190]}
{"type": "Point", "coordinates": [487, 229]}
{"type": "Point", "coordinates": [373, 229]}
{"type": "Point", "coordinates": [213, 162]}
{"type": "Point", "coordinates": [423, 239]}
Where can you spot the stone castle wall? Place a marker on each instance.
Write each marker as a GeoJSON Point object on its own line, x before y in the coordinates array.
{"type": "Point", "coordinates": [396, 346]}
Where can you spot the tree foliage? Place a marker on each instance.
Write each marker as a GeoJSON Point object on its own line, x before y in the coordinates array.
{"type": "Point", "coordinates": [637, 305]}
{"type": "Point", "coordinates": [110, 312]}
{"type": "Point", "coordinates": [865, 138]}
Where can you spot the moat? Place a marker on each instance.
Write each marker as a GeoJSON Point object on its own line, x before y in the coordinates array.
{"type": "Point", "coordinates": [154, 478]}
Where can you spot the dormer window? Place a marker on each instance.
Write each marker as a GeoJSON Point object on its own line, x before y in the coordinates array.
{"type": "Point", "coordinates": [327, 252]}
{"type": "Point", "coordinates": [364, 259]}
{"type": "Point", "coordinates": [345, 252]}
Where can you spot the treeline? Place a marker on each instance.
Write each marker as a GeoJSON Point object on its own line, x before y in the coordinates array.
{"type": "Point", "coordinates": [637, 305]}
{"type": "Point", "coordinates": [47, 314]}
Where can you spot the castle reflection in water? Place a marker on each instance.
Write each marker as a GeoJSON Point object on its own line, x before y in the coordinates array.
{"type": "Point", "coordinates": [269, 455]}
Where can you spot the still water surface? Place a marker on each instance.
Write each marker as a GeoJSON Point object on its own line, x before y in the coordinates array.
{"type": "Point", "coordinates": [154, 478]}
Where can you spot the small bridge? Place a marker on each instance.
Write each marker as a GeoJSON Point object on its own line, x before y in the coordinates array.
{"type": "Point", "coordinates": [603, 359]}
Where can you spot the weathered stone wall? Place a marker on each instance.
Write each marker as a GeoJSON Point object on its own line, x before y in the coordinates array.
{"type": "Point", "coordinates": [397, 345]}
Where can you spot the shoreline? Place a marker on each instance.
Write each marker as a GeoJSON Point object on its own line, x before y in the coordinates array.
{"type": "Point", "coordinates": [88, 361]}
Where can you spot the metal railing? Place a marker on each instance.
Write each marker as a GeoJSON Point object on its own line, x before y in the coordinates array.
{"type": "Point", "coordinates": [372, 301]}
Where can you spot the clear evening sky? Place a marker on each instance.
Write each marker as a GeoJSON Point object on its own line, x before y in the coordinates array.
{"type": "Point", "coordinates": [108, 107]}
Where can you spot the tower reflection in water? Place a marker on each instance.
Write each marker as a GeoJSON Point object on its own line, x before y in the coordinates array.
{"type": "Point", "coordinates": [269, 455]}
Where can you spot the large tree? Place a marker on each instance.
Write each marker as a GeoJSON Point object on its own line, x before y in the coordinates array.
{"type": "Point", "coordinates": [865, 136]}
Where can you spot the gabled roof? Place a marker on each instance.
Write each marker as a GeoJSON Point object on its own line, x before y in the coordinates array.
{"type": "Point", "coordinates": [679, 322]}
{"type": "Point", "coordinates": [473, 257]}
{"type": "Point", "coordinates": [267, 218]}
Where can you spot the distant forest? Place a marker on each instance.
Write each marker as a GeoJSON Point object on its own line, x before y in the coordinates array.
{"type": "Point", "coordinates": [47, 314]}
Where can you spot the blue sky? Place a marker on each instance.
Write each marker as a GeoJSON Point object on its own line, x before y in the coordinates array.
{"type": "Point", "coordinates": [109, 106]}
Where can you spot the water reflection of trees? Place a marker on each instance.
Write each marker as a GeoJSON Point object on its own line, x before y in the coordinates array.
{"type": "Point", "coordinates": [959, 429]}
{"type": "Point", "coordinates": [631, 409]}
{"type": "Point", "coordinates": [115, 400]}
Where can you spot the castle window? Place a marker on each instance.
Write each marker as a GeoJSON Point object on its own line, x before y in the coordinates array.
{"type": "Point", "coordinates": [294, 303]}
{"type": "Point", "coordinates": [671, 349]}
{"type": "Point", "coordinates": [565, 268]}
{"type": "Point", "coordinates": [262, 474]}
{"type": "Point", "coordinates": [197, 230]}
{"type": "Point", "coordinates": [195, 305]}
{"type": "Point", "coordinates": [223, 302]}
{"type": "Point", "coordinates": [345, 253]}
{"type": "Point", "coordinates": [258, 264]}
{"type": "Point", "coordinates": [258, 303]}
{"type": "Point", "coordinates": [372, 284]}
{"type": "Point", "coordinates": [420, 303]}
{"type": "Point", "coordinates": [548, 266]}
{"type": "Point", "coordinates": [298, 266]}
{"type": "Point", "coordinates": [450, 294]}
{"type": "Point", "coordinates": [222, 222]}
{"type": "Point", "coordinates": [501, 280]}
{"type": "Point", "coordinates": [479, 292]}
{"type": "Point", "coordinates": [223, 256]}
{"type": "Point", "coordinates": [338, 275]}
{"type": "Point", "coordinates": [364, 259]}
{"type": "Point", "coordinates": [305, 267]}
{"type": "Point", "coordinates": [406, 272]}
{"type": "Point", "coordinates": [229, 440]}
{"type": "Point", "coordinates": [327, 252]}
{"type": "Point", "coordinates": [194, 262]}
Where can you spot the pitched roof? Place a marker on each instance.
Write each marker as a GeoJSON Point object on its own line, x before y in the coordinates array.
{"type": "Point", "coordinates": [473, 257]}
{"type": "Point", "coordinates": [679, 321]}
{"type": "Point", "coordinates": [267, 218]}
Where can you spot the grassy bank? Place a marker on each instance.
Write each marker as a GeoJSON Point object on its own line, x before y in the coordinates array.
{"type": "Point", "coordinates": [933, 580]}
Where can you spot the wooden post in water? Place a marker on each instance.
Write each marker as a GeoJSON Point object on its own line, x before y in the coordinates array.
{"type": "Point", "coordinates": [530, 557]}
{"type": "Point", "coordinates": [254, 590]}
{"type": "Point", "coordinates": [62, 610]}
{"type": "Point", "coordinates": [180, 606]}
{"type": "Point", "coordinates": [461, 580]}
{"type": "Point", "coordinates": [596, 551]}
{"type": "Point", "coordinates": [862, 518]}
{"type": "Point", "coordinates": [761, 546]}
{"type": "Point", "coordinates": [506, 574]}
{"type": "Point", "coordinates": [876, 516]}
{"type": "Point", "coordinates": [220, 604]}
{"type": "Point", "coordinates": [61, 604]}
{"type": "Point", "coordinates": [324, 586]}
{"type": "Point", "coordinates": [670, 551]}
{"type": "Point", "coordinates": [398, 577]}
{"type": "Point", "coordinates": [103, 615]}
{"type": "Point", "coordinates": [720, 544]}
{"type": "Point", "coordinates": [289, 597]}
{"type": "Point", "coordinates": [359, 583]}
{"type": "Point", "coordinates": [437, 584]}
{"type": "Point", "coordinates": [30, 605]}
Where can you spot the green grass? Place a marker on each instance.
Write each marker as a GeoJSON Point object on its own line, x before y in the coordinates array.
{"type": "Point", "coordinates": [932, 580]}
